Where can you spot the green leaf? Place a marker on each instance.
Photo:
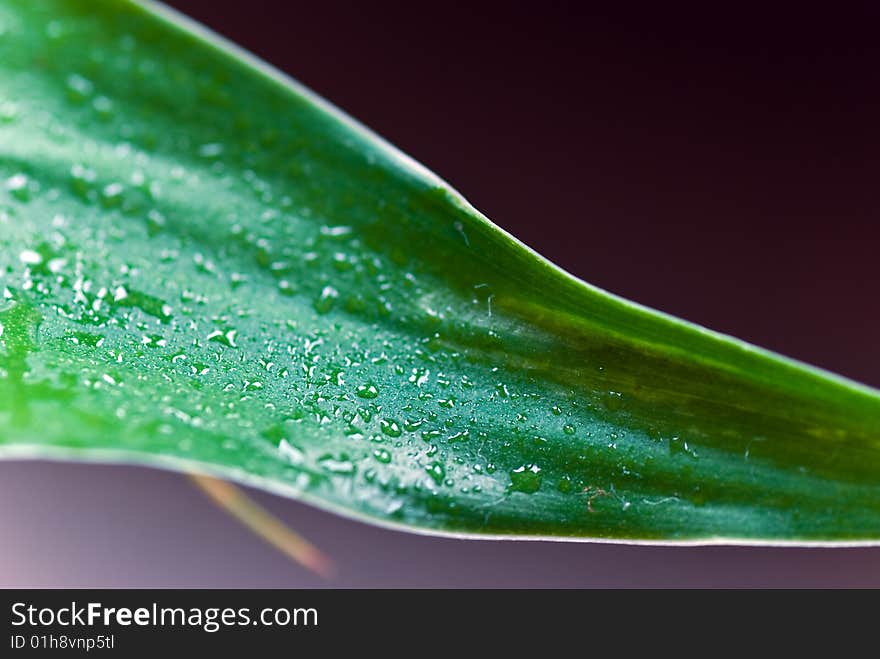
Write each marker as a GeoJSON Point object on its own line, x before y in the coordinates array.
{"type": "Point", "coordinates": [205, 267]}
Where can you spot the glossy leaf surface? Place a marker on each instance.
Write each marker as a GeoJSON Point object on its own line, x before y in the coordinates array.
{"type": "Point", "coordinates": [202, 266]}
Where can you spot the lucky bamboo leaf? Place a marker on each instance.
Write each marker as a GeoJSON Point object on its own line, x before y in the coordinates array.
{"type": "Point", "coordinates": [205, 267]}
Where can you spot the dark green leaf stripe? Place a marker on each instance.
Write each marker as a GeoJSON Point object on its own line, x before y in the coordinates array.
{"type": "Point", "coordinates": [204, 266]}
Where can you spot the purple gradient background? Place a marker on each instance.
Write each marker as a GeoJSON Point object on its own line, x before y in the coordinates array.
{"type": "Point", "coordinates": [719, 165]}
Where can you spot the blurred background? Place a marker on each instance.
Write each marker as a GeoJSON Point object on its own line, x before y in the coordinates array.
{"type": "Point", "coordinates": [718, 164]}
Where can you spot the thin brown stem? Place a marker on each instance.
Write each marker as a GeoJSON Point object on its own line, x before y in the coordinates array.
{"type": "Point", "coordinates": [264, 524]}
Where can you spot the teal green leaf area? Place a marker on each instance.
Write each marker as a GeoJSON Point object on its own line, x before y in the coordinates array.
{"type": "Point", "coordinates": [204, 267]}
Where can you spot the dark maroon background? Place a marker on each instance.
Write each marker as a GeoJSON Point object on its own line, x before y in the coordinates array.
{"type": "Point", "coordinates": [719, 164]}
